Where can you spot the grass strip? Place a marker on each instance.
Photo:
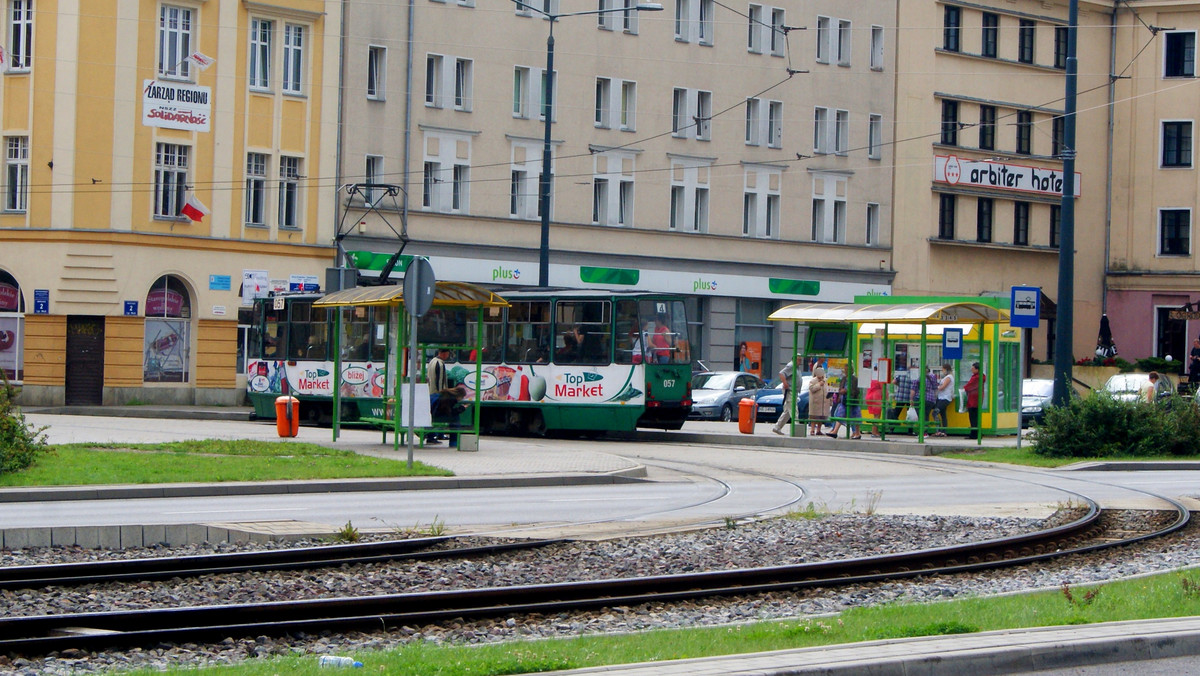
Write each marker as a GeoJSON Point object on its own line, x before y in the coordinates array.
{"type": "Point", "coordinates": [205, 461]}
{"type": "Point", "coordinates": [1025, 456]}
{"type": "Point", "coordinates": [1174, 594]}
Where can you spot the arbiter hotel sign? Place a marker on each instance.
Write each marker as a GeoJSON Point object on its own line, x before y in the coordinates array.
{"type": "Point", "coordinates": [979, 174]}
{"type": "Point", "coordinates": [175, 105]}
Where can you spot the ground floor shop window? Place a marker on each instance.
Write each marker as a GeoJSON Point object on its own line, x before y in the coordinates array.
{"type": "Point", "coordinates": [12, 329]}
{"type": "Point", "coordinates": [752, 328]}
{"type": "Point", "coordinates": [167, 357]}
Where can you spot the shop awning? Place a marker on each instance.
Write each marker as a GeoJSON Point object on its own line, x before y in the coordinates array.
{"type": "Point", "coordinates": [445, 294]}
{"type": "Point", "coordinates": [894, 313]}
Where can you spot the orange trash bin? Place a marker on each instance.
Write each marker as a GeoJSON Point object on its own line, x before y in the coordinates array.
{"type": "Point", "coordinates": [747, 412]}
{"type": "Point", "coordinates": [287, 416]}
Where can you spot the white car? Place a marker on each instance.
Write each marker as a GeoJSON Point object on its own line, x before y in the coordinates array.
{"type": "Point", "coordinates": [1127, 386]}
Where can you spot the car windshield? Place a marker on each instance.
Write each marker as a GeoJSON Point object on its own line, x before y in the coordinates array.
{"type": "Point", "coordinates": [1125, 382]}
{"type": "Point", "coordinates": [1037, 388]}
{"type": "Point", "coordinates": [713, 381]}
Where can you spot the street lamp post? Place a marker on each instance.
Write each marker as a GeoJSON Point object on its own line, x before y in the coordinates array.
{"type": "Point", "coordinates": [548, 98]}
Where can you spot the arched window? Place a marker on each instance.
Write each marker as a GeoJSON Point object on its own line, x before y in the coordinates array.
{"type": "Point", "coordinates": [12, 329]}
{"type": "Point", "coordinates": [168, 332]}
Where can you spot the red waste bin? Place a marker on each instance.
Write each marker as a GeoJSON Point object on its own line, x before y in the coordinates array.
{"type": "Point", "coordinates": [747, 412]}
{"type": "Point", "coordinates": [287, 416]}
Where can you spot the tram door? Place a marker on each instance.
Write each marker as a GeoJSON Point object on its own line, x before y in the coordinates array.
{"type": "Point", "coordinates": [85, 361]}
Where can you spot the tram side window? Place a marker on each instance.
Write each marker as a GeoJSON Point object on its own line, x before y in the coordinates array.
{"type": "Point", "coordinates": [664, 323]}
{"type": "Point", "coordinates": [272, 326]}
{"type": "Point", "coordinates": [629, 339]}
{"type": "Point", "coordinates": [309, 335]}
{"type": "Point", "coordinates": [358, 334]}
{"type": "Point", "coordinates": [583, 332]}
{"type": "Point", "coordinates": [379, 333]}
{"type": "Point", "coordinates": [493, 337]}
{"type": "Point", "coordinates": [528, 340]}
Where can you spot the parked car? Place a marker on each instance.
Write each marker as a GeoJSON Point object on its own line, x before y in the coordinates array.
{"type": "Point", "coordinates": [715, 394]}
{"type": "Point", "coordinates": [1126, 386]}
{"type": "Point", "coordinates": [1036, 394]}
{"type": "Point", "coordinates": [770, 400]}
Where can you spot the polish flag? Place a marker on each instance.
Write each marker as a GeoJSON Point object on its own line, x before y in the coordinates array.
{"type": "Point", "coordinates": [194, 208]}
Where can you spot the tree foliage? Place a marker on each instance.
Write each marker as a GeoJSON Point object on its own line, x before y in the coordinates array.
{"type": "Point", "coordinates": [20, 442]}
{"type": "Point", "coordinates": [1102, 426]}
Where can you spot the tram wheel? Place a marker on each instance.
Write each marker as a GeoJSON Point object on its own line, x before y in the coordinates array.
{"type": "Point", "coordinates": [537, 424]}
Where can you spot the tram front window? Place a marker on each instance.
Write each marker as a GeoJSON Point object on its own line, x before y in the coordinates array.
{"type": "Point", "coordinates": [664, 331]}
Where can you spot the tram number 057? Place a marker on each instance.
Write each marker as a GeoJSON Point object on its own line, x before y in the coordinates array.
{"type": "Point", "coordinates": [669, 383]}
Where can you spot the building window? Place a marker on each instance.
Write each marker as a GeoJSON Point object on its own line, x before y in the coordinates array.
{"type": "Point", "coordinates": [991, 28]}
{"type": "Point", "coordinates": [1025, 41]}
{"type": "Point", "coordinates": [376, 70]}
{"type": "Point", "coordinates": [20, 35]}
{"type": "Point", "coordinates": [876, 47]}
{"type": "Point", "coordinates": [987, 127]}
{"type": "Point", "coordinates": [753, 119]}
{"type": "Point", "coordinates": [754, 40]}
{"type": "Point", "coordinates": [372, 176]}
{"type": "Point", "coordinates": [949, 123]}
{"type": "Point", "coordinates": [174, 42]}
{"type": "Point", "coordinates": [429, 180]}
{"type": "Point", "coordinates": [760, 203]}
{"type": "Point", "coordinates": [775, 124]}
{"type": "Point", "coordinates": [603, 103]}
{"type": "Point", "coordinates": [1055, 224]}
{"type": "Point", "coordinates": [689, 197]}
{"type": "Point", "coordinates": [546, 103]}
{"type": "Point", "coordinates": [612, 189]}
{"type": "Point", "coordinates": [463, 69]}
{"type": "Point", "coordinates": [1058, 133]}
{"type": "Point", "coordinates": [1174, 227]}
{"type": "Point", "coordinates": [600, 200]}
{"type": "Point", "coordinates": [518, 196]}
{"type": "Point", "coordinates": [691, 112]}
{"type": "Point", "coordinates": [434, 64]}
{"type": "Point", "coordinates": [521, 75]}
{"type": "Point", "coordinates": [628, 105]}
{"type": "Point", "coordinates": [16, 174]}
{"type": "Point", "coordinates": [628, 17]}
{"type": "Point", "coordinates": [1060, 47]}
{"type": "Point", "coordinates": [778, 34]}
{"type": "Point", "coordinates": [293, 59]}
{"type": "Point", "coordinates": [823, 39]}
{"type": "Point", "coordinates": [460, 182]}
{"type": "Point", "coordinates": [170, 179]}
{"type": "Point", "coordinates": [706, 21]}
{"type": "Point", "coordinates": [951, 27]}
{"type": "Point", "coordinates": [1176, 144]}
{"type": "Point", "coordinates": [606, 18]}
{"type": "Point", "coordinates": [256, 189]}
{"type": "Point", "coordinates": [1025, 132]}
{"type": "Point", "coordinates": [1021, 223]}
{"type": "Point", "coordinates": [875, 137]}
{"type": "Point", "coordinates": [260, 54]}
{"type": "Point", "coordinates": [821, 131]}
{"type": "Point", "coordinates": [1179, 56]}
{"type": "Point", "coordinates": [829, 209]}
{"type": "Point", "coordinates": [871, 237]}
{"type": "Point", "coordinates": [167, 337]}
{"type": "Point", "coordinates": [625, 202]}
{"type": "Point", "coordinates": [694, 21]}
{"type": "Point", "coordinates": [289, 192]}
{"type": "Point", "coordinates": [841, 132]}
{"type": "Point", "coordinates": [983, 219]}
{"type": "Point", "coordinates": [524, 190]}
{"type": "Point", "coordinates": [843, 43]}
{"type": "Point", "coordinates": [704, 115]}
{"type": "Point", "coordinates": [946, 206]}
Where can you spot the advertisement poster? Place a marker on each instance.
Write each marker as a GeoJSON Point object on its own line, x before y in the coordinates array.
{"type": "Point", "coordinates": [254, 285]}
{"type": "Point", "coordinates": [176, 105]}
{"type": "Point", "coordinates": [901, 363]}
{"type": "Point", "coordinates": [749, 357]}
{"type": "Point", "coordinates": [11, 332]}
{"type": "Point", "coordinates": [316, 378]}
{"type": "Point", "coordinates": [553, 383]}
{"type": "Point", "coordinates": [166, 356]}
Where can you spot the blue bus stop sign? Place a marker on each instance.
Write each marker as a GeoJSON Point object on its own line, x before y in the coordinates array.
{"type": "Point", "coordinates": [1025, 307]}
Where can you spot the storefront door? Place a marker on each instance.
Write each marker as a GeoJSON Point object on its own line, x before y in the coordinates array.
{"type": "Point", "coordinates": [85, 361]}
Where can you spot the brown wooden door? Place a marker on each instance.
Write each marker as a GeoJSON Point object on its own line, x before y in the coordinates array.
{"type": "Point", "coordinates": [85, 361]}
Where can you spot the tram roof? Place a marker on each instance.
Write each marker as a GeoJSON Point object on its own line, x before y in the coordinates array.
{"type": "Point", "coordinates": [445, 294]}
{"type": "Point", "coordinates": [937, 312]}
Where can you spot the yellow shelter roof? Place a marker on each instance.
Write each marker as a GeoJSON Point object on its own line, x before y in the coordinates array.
{"type": "Point", "coordinates": [895, 313]}
{"type": "Point", "coordinates": [445, 294]}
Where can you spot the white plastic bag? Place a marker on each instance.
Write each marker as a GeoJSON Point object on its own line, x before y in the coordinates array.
{"type": "Point", "coordinates": [912, 414]}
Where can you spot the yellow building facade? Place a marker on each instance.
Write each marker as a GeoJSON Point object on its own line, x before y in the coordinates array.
{"type": "Point", "coordinates": [158, 155]}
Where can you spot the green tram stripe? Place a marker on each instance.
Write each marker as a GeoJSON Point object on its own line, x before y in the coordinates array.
{"type": "Point", "coordinates": [794, 287]}
{"type": "Point", "coordinates": [623, 276]}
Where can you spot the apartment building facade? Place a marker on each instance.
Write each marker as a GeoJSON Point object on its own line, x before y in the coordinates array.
{"type": "Point", "coordinates": [157, 154]}
{"type": "Point", "coordinates": [737, 155]}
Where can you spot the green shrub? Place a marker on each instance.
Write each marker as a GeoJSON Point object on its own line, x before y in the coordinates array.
{"type": "Point", "coordinates": [1101, 426]}
{"type": "Point", "coordinates": [20, 443]}
{"type": "Point", "coordinates": [1159, 364]}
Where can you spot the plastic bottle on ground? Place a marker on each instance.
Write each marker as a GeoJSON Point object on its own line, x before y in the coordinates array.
{"type": "Point", "coordinates": [338, 662]}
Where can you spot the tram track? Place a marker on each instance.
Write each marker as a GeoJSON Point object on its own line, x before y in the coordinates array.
{"type": "Point", "coordinates": [105, 630]}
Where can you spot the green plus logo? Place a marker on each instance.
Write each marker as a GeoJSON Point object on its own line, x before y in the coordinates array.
{"type": "Point", "coordinates": [499, 273]}
{"type": "Point", "coordinates": [704, 285]}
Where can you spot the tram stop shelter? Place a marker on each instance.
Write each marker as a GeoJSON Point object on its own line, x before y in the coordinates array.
{"type": "Point", "coordinates": [457, 306]}
{"type": "Point", "coordinates": [894, 340]}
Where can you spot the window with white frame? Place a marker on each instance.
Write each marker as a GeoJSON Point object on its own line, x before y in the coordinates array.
{"type": "Point", "coordinates": [174, 42]}
{"type": "Point", "coordinates": [1174, 232]}
{"type": "Point", "coordinates": [1179, 54]}
{"type": "Point", "coordinates": [16, 173]}
{"type": "Point", "coordinates": [778, 36]}
{"type": "Point", "coordinates": [628, 105]}
{"type": "Point", "coordinates": [821, 130]}
{"type": "Point", "coordinates": [829, 209]}
{"type": "Point", "coordinates": [694, 21]}
{"type": "Point", "coordinates": [760, 202]}
{"type": "Point", "coordinates": [689, 194]}
{"type": "Point", "coordinates": [615, 102]}
{"type": "Point", "coordinates": [843, 42]}
{"type": "Point", "coordinates": [841, 132]}
{"type": "Point", "coordinates": [627, 19]}
{"type": "Point", "coordinates": [823, 39]}
{"type": "Point", "coordinates": [876, 47]}
{"type": "Point", "coordinates": [463, 83]}
{"type": "Point", "coordinates": [435, 66]}
{"type": "Point", "coordinates": [691, 113]}
{"type": "Point", "coordinates": [260, 53]}
{"type": "Point", "coordinates": [875, 136]}
{"type": "Point", "coordinates": [705, 27]}
{"type": "Point", "coordinates": [521, 79]}
{"type": "Point", "coordinates": [289, 192]}
{"type": "Point", "coordinates": [447, 159]}
{"type": "Point", "coordinates": [293, 59]}
{"type": "Point", "coordinates": [872, 233]}
{"type": "Point", "coordinates": [754, 40]}
{"type": "Point", "coordinates": [20, 35]}
{"type": "Point", "coordinates": [775, 124]}
{"type": "Point", "coordinates": [753, 122]}
{"type": "Point", "coordinates": [1176, 143]}
{"type": "Point", "coordinates": [256, 189]}
{"type": "Point", "coordinates": [604, 102]}
{"type": "Point", "coordinates": [372, 175]}
{"type": "Point", "coordinates": [612, 188]}
{"type": "Point", "coordinates": [376, 72]}
{"type": "Point", "coordinates": [526, 167]}
{"type": "Point", "coordinates": [528, 102]}
{"type": "Point", "coordinates": [170, 178]}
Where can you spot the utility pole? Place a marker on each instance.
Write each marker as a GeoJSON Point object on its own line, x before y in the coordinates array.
{"type": "Point", "coordinates": [1064, 324]}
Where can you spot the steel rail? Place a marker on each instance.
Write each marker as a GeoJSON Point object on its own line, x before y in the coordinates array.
{"type": "Point", "coordinates": [299, 558]}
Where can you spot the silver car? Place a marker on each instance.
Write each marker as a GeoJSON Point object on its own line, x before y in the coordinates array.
{"type": "Point", "coordinates": [1127, 386]}
{"type": "Point", "coordinates": [715, 394]}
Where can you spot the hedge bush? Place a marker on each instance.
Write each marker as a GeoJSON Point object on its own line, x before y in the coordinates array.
{"type": "Point", "coordinates": [1103, 426]}
{"type": "Point", "coordinates": [20, 442]}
